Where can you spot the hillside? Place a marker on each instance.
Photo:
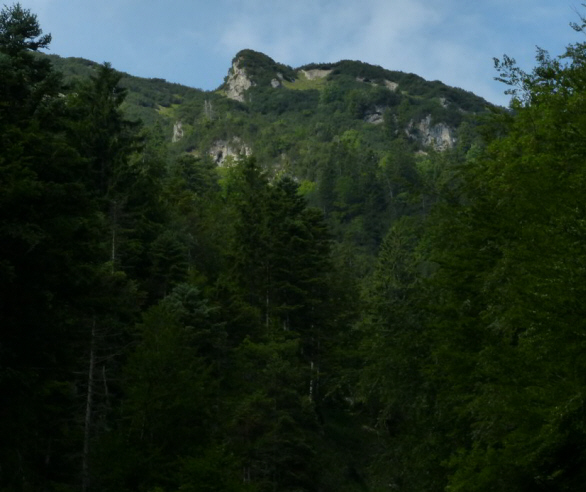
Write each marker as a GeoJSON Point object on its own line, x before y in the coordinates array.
{"type": "Point", "coordinates": [335, 277]}
{"type": "Point", "coordinates": [381, 104]}
{"type": "Point", "coordinates": [338, 129]}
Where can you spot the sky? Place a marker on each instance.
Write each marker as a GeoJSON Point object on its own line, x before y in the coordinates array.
{"type": "Point", "coordinates": [193, 42]}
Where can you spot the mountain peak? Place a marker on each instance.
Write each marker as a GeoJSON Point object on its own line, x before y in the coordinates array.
{"type": "Point", "coordinates": [252, 57]}
{"type": "Point", "coordinates": [251, 68]}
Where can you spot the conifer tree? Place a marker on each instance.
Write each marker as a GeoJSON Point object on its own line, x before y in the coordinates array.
{"type": "Point", "coordinates": [49, 227]}
{"type": "Point", "coordinates": [497, 321]}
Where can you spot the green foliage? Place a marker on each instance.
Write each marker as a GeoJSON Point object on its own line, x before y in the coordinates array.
{"type": "Point", "coordinates": [169, 324]}
{"type": "Point", "coordinates": [276, 102]}
{"type": "Point", "coordinates": [296, 131]}
{"type": "Point", "coordinates": [481, 306]}
{"type": "Point", "coordinates": [56, 293]}
{"type": "Point", "coordinates": [214, 471]}
{"type": "Point", "coordinates": [168, 385]}
{"type": "Point", "coordinates": [20, 31]}
{"type": "Point", "coordinates": [531, 279]}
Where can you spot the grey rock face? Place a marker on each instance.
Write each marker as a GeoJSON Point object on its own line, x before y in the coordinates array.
{"type": "Point", "coordinates": [238, 82]}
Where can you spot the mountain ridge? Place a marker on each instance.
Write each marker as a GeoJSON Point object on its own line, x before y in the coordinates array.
{"type": "Point", "coordinates": [257, 92]}
{"type": "Point", "coordinates": [364, 72]}
{"type": "Point", "coordinates": [260, 68]}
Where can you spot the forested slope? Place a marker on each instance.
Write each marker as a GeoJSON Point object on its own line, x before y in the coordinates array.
{"type": "Point", "coordinates": [330, 278]}
{"type": "Point", "coordinates": [354, 136]}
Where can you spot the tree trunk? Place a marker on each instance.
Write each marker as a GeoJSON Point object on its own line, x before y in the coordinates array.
{"type": "Point", "coordinates": [88, 413]}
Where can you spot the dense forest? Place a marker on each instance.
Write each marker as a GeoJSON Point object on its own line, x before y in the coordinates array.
{"type": "Point", "coordinates": [342, 278]}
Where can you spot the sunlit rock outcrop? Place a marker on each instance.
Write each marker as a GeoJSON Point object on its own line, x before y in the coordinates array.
{"type": "Point", "coordinates": [238, 82]}
{"type": "Point", "coordinates": [439, 136]}
{"type": "Point", "coordinates": [223, 150]}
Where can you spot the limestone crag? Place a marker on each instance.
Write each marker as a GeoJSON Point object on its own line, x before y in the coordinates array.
{"type": "Point", "coordinates": [221, 150]}
{"type": "Point", "coordinates": [439, 136]}
{"type": "Point", "coordinates": [177, 132]}
{"type": "Point", "coordinates": [238, 82]}
{"type": "Point", "coordinates": [375, 115]}
{"type": "Point", "coordinates": [278, 82]}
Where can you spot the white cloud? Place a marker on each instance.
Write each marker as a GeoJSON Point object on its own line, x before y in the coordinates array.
{"type": "Point", "coordinates": [326, 29]}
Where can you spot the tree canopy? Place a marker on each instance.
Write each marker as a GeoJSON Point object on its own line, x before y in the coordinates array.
{"type": "Point", "coordinates": [346, 309]}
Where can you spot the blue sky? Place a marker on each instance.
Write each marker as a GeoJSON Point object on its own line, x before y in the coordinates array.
{"type": "Point", "coordinates": [193, 42]}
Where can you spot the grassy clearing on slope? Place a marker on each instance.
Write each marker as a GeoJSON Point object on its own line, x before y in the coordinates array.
{"type": "Point", "coordinates": [302, 83]}
{"type": "Point", "coordinates": [167, 110]}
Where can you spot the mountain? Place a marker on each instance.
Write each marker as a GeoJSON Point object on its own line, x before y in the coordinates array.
{"type": "Point", "coordinates": [330, 278]}
{"type": "Point", "coordinates": [201, 315]}
{"type": "Point", "coordinates": [349, 95]}
{"type": "Point", "coordinates": [353, 135]}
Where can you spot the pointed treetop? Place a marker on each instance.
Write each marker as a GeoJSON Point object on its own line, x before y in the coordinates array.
{"type": "Point", "coordinates": [20, 31]}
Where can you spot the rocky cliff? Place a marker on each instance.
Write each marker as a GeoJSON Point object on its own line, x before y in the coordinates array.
{"type": "Point", "coordinates": [238, 81]}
